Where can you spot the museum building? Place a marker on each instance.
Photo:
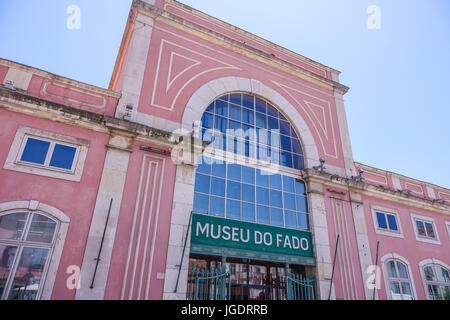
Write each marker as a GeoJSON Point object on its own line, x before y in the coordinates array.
{"type": "Point", "coordinates": [217, 165]}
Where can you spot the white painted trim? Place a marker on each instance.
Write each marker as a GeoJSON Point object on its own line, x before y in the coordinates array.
{"type": "Point", "coordinates": [23, 133]}
{"type": "Point", "coordinates": [430, 261]}
{"type": "Point", "coordinates": [390, 233]}
{"type": "Point", "coordinates": [422, 238]}
{"type": "Point", "coordinates": [447, 224]}
{"type": "Point", "coordinates": [396, 256]}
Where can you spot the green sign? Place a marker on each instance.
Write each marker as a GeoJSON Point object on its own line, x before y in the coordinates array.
{"type": "Point", "coordinates": [239, 235]}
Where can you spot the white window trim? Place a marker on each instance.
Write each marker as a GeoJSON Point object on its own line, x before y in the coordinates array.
{"type": "Point", "coordinates": [430, 261]}
{"type": "Point", "coordinates": [422, 238]}
{"type": "Point", "coordinates": [396, 256]}
{"type": "Point", "coordinates": [447, 224]}
{"type": "Point", "coordinates": [14, 163]}
{"type": "Point", "coordinates": [386, 232]}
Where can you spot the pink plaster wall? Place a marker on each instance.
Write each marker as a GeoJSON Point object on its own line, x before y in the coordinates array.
{"type": "Point", "coordinates": [3, 72]}
{"type": "Point", "coordinates": [76, 200]}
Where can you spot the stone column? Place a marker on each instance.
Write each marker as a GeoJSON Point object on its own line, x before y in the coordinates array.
{"type": "Point", "coordinates": [321, 242]}
{"type": "Point", "coordinates": [111, 187]}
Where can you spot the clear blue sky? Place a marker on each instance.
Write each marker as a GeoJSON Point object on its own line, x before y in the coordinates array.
{"type": "Point", "coordinates": [398, 106]}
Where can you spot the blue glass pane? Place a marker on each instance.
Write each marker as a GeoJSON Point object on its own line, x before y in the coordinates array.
{"type": "Point", "coordinates": [204, 165]}
{"type": "Point", "coordinates": [285, 128]}
{"type": "Point", "coordinates": [217, 207]}
{"type": "Point", "coordinates": [234, 190]}
{"type": "Point", "coordinates": [301, 203]}
{"type": "Point", "coordinates": [276, 199]}
{"type": "Point", "coordinates": [262, 196]}
{"type": "Point", "coordinates": [381, 219]}
{"type": "Point", "coordinates": [218, 169]}
{"type": "Point", "coordinates": [233, 209]}
{"type": "Point", "coordinates": [202, 183]}
{"type": "Point", "coordinates": [261, 120]}
{"type": "Point", "coordinates": [302, 219]}
{"type": "Point", "coordinates": [260, 105]}
{"type": "Point", "coordinates": [63, 157]}
{"type": "Point", "coordinates": [35, 151]}
{"type": "Point", "coordinates": [286, 159]}
{"type": "Point", "coordinates": [296, 148]}
{"type": "Point", "coordinates": [201, 203]}
{"type": "Point", "coordinates": [248, 212]}
{"type": "Point", "coordinates": [290, 219]}
{"type": "Point", "coordinates": [272, 123]}
{"type": "Point", "coordinates": [236, 98]}
{"type": "Point", "coordinates": [221, 124]}
{"type": "Point", "coordinates": [263, 215]}
{"type": "Point", "coordinates": [285, 143]}
{"type": "Point", "coordinates": [248, 175]}
{"type": "Point", "coordinates": [289, 201]}
{"type": "Point", "coordinates": [248, 193]}
{"type": "Point", "coordinates": [234, 172]}
{"type": "Point", "coordinates": [218, 187]}
{"type": "Point", "coordinates": [262, 178]}
{"type": "Point", "coordinates": [276, 217]}
{"type": "Point", "coordinates": [392, 222]}
{"type": "Point", "coordinates": [282, 117]}
{"type": "Point", "coordinates": [208, 121]}
{"type": "Point", "coordinates": [271, 111]}
{"type": "Point", "coordinates": [248, 116]}
{"type": "Point", "coordinates": [235, 112]}
{"type": "Point", "coordinates": [299, 187]}
{"type": "Point", "coordinates": [234, 126]}
{"type": "Point", "coordinates": [222, 108]}
{"type": "Point", "coordinates": [275, 181]}
{"type": "Point", "coordinates": [248, 101]}
{"type": "Point", "coordinates": [262, 153]}
{"type": "Point", "coordinates": [274, 139]}
{"type": "Point", "coordinates": [288, 184]}
{"type": "Point", "coordinates": [249, 132]}
{"type": "Point", "coordinates": [297, 162]}
{"type": "Point", "coordinates": [225, 98]}
{"type": "Point", "coordinates": [210, 108]}
{"type": "Point", "coordinates": [263, 136]}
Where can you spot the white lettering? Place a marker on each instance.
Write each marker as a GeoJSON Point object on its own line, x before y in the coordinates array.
{"type": "Point", "coordinates": [258, 237]}
{"type": "Point", "coordinates": [203, 230]}
{"type": "Point", "coordinates": [226, 231]}
{"type": "Point", "coordinates": [287, 242]}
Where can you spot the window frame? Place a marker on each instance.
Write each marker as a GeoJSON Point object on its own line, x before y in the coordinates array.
{"type": "Point", "coordinates": [387, 232]}
{"type": "Point", "coordinates": [427, 239]}
{"type": "Point", "coordinates": [433, 263]}
{"type": "Point", "coordinates": [396, 257]}
{"type": "Point", "coordinates": [14, 162]}
{"type": "Point", "coordinates": [22, 243]}
{"type": "Point", "coordinates": [447, 225]}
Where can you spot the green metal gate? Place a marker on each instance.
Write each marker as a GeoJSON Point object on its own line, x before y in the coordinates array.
{"type": "Point", "coordinates": [212, 284]}
{"type": "Point", "coordinates": [299, 287]}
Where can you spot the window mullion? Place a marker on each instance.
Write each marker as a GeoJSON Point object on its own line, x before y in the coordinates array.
{"type": "Point", "coordinates": [49, 153]}
{"type": "Point", "coordinates": [12, 272]}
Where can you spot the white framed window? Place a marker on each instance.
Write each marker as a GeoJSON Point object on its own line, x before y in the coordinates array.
{"type": "Point", "coordinates": [436, 279]}
{"type": "Point", "coordinates": [27, 241]}
{"type": "Point", "coordinates": [386, 222]}
{"type": "Point", "coordinates": [398, 277]}
{"type": "Point", "coordinates": [425, 229]}
{"type": "Point", "coordinates": [447, 224]}
{"type": "Point", "coordinates": [44, 153]}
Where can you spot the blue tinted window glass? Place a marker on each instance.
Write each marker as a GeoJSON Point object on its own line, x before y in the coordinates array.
{"type": "Point", "coordinates": [262, 153]}
{"type": "Point", "coordinates": [299, 187]}
{"type": "Point", "coordinates": [276, 199]}
{"type": "Point", "coordinates": [289, 201]}
{"type": "Point", "coordinates": [35, 151]}
{"type": "Point", "coordinates": [285, 143]}
{"type": "Point", "coordinates": [236, 98]}
{"type": "Point", "coordinates": [210, 108]}
{"type": "Point", "coordinates": [235, 112]}
{"type": "Point", "coordinates": [260, 106]}
{"type": "Point", "coordinates": [234, 190]}
{"type": "Point", "coordinates": [202, 183]}
{"type": "Point", "coordinates": [248, 116]}
{"type": "Point", "coordinates": [248, 193]}
{"type": "Point", "coordinates": [288, 184]}
{"type": "Point", "coordinates": [222, 108]}
{"type": "Point", "coordinates": [63, 157]}
{"type": "Point", "coordinates": [201, 203]}
{"type": "Point", "coordinates": [285, 128]}
{"type": "Point", "coordinates": [263, 214]}
{"type": "Point", "coordinates": [248, 175]}
{"type": "Point", "coordinates": [301, 203]}
{"type": "Point", "coordinates": [218, 187]}
{"type": "Point", "coordinates": [282, 117]}
{"type": "Point", "coordinates": [262, 196]}
{"type": "Point", "coordinates": [204, 165]}
{"type": "Point", "coordinates": [261, 120]}
{"type": "Point", "coordinates": [225, 98]}
{"type": "Point", "coordinates": [248, 212]}
{"type": "Point", "coordinates": [272, 123]}
{"type": "Point", "coordinates": [271, 111]}
{"type": "Point", "coordinates": [302, 219]}
{"type": "Point", "coordinates": [296, 148]}
{"type": "Point", "coordinates": [234, 172]}
{"type": "Point", "coordinates": [274, 139]}
{"type": "Point", "coordinates": [420, 228]}
{"type": "Point", "coordinates": [262, 178]}
{"type": "Point", "coordinates": [208, 121]}
{"type": "Point", "coordinates": [381, 218]}
{"type": "Point", "coordinates": [221, 124]}
{"type": "Point", "coordinates": [297, 162]}
{"type": "Point", "coordinates": [392, 222]}
{"type": "Point", "coordinates": [218, 169]}
{"type": "Point", "coordinates": [275, 181]}
{"type": "Point", "coordinates": [276, 217]}
{"type": "Point", "coordinates": [263, 136]}
{"type": "Point", "coordinates": [286, 159]}
{"type": "Point", "coordinates": [217, 207]}
{"type": "Point", "coordinates": [248, 101]}
{"type": "Point", "coordinates": [234, 126]}
{"type": "Point", "coordinates": [290, 219]}
{"type": "Point", "coordinates": [233, 209]}
{"type": "Point", "coordinates": [249, 132]}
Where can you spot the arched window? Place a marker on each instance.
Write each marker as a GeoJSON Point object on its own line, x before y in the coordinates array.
{"type": "Point", "coordinates": [437, 280]}
{"type": "Point", "coordinates": [399, 280]}
{"type": "Point", "coordinates": [255, 132]}
{"type": "Point", "coordinates": [27, 240]}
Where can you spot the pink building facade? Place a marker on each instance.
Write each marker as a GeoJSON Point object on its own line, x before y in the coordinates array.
{"type": "Point", "coordinates": [112, 194]}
